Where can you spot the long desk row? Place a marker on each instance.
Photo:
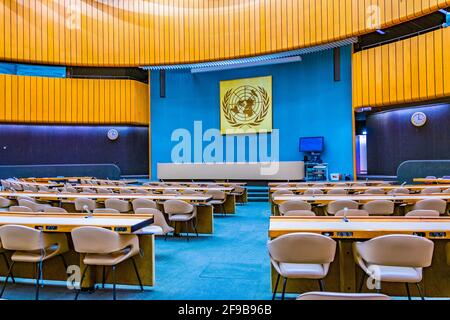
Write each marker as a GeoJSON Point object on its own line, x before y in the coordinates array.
{"type": "Point", "coordinates": [353, 189]}
{"type": "Point", "coordinates": [330, 183]}
{"type": "Point", "coordinates": [344, 275]}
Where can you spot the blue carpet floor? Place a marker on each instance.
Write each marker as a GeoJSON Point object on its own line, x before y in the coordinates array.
{"type": "Point", "coordinates": [231, 264]}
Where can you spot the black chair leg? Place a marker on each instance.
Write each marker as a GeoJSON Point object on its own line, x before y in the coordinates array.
{"type": "Point", "coordinates": [186, 224]}
{"type": "Point", "coordinates": [103, 277]}
{"type": "Point", "coordinates": [7, 266]}
{"type": "Point", "coordinates": [321, 285]}
{"type": "Point", "coordinates": [276, 287]}
{"type": "Point", "coordinates": [407, 291]}
{"type": "Point", "coordinates": [363, 278]}
{"type": "Point", "coordinates": [81, 282]}
{"type": "Point", "coordinates": [420, 291]}
{"type": "Point", "coordinates": [284, 288]}
{"type": "Point", "coordinates": [223, 209]}
{"type": "Point", "coordinates": [64, 262]}
{"type": "Point", "coordinates": [137, 273]}
{"type": "Point", "coordinates": [6, 280]}
{"type": "Point", "coordinates": [114, 281]}
{"type": "Point", "coordinates": [38, 278]}
{"type": "Point", "coordinates": [194, 227]}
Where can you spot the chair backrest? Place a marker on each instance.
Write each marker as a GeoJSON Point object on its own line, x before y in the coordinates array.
{"type": "Point", "coordinates": [22, 238]}
{"type": "Point", "coordinates": [430, 190]}
{"type": "Point", "coordinates": [430, 177]}
{"type": "Point", "coordinates": [43, 189]}
{"type": "Point", "coordinates": [299, 213]}
{"type": "Point", "coordinates": [337, 191]}
{"type": "Point", "coordinates": [19, 209]}
{"type": "Point", "coordinates": [293, 205]}
{"type": "Point", "coordinates": [85, 189]}
{"type": "Point", "coordinates": [431, 204]}
{"type": "Point", "coordinates": [352, 213]}
{"type": "Point", "coordinates": [120, 205]}
{"type": "Point", "coordinates": [158, 217]}
{"type": "Point", "coordinates": [143, 203]}
{"type": "Point", "coordinates": [143, 191]}
{"type": "Point", "coordinates": [302, 248]}
{"type": "Point", "coordinates": [374, 191]}
{"type": "Point", "coordinates": [447, 191]}
{"type": "Point", "coordinates": [55, 210]}
{"type": "Point", "coordinates": [379, 207]}
{"type": "Point", "coordinates": [342, 296]}
{"type": "Point", "coordinates": [126, 191]}
{"type": "Point", "coordinates": [337, 205]}
{"type": "Point", "coordinates": [216, 194]}
{"type": "Point", "coordinates": [70, 189]}
{"type": "Point", "coordinates": [422, 213]}
{"type": "Point", "coordinates": [399, 191]}
{"type": "Point", "coordinates": [312, 191]}
{"type": "Point", "coordinates": [106, 210]}
{"type": "Point", "coordinates": [81, 203]}
{"type": "Point", "coordinates": [4, 203]}
{"type": "Point", "coordinates": [30, 204]}
{"type": "Point", "coordinates": [26, 198]}
{"type": "Point", "coordinates": [282, 192]}
{"type": "Point", "coordinates": [190, 191]}
{"type": "Point", "coordinates": [104, 191]}
{"type": "Point", "coordinates": [177, 207]}
{"type": "Point", "coordinates": [97, 240]}
{"type": "Point", "coordinates": [397, 250]}
{"type": "Point", "coordinates": [170, 191]}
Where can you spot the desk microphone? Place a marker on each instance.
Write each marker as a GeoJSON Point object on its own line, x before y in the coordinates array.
{"type": "Point", "coordinates": [403, 183]}
{"type": "Point", "coordinates": [344, 217]}
{"type": "Point", "coordinates": [89, 213]}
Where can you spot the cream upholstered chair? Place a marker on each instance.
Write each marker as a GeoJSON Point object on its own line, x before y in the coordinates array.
{"type": "Point", "coordinates": [143, 191]}
{"type": "Point", "coordinates": [181, 212]}
{"type": "Point", "coordinates": [104, 191]}
{"type": "Point", "coordinates": [70, 189]}
{"type": "Point", "coordinates": [282, 193]}
{"type": "Point", "coordinates": [374, 191]}
{"type": "Point", "coordinates": [447, 191]}
{"type": "Point", "coordinates": [143, 203]}
{"type": "Point", "coordinates": [431, 204]}
{"type": "Point", "coordinates": [85, 204]}
{"type": "Point", "coordinates": [122, 206]}
{"type": "Point", "coordinates": [36, 207]}
{"type": "Point", "coordinates": [299, 213]}
{"type": "Point", "coordinates": [55, 210]}
{"type": "Point", "coordinates": [291, 205]}
{"type": "Point", "coordinates": [394, 258]}
{"type": "Point", "coordinates": [32, 246]}
{"type": "Point", "coordinates": [5, 203]}
{"type": "Point", "coordinates": [159, 226]}
{"type": "Point", "coordinates": [379, 207]}
{"type": "Point", "coordinates": [313, 191]}
{"type": "Point", "coordinates": [218, 199]}
{"type": "Point", "coordinates": [422, 213]}
{"type": "Point", "coordinates": [170, 191]}
{"type": "Point", "coordinates": [337, 191]}
{"type": "Point", "coordinates": [399, 191]}
{"type": "Point", "coordinates": [125, 191]}
{"type": "Point", "coordinates": [430, 190]}
{"type": "Point", "coordinates": [301, 256]}
{"type": "Point", "coordinates": [335, 206]}
{"type": "Point", "coordinates": [191, 192]}
{"type": "Point", "coordinates": [352, 213]}
{"type": "Point", "coordinates": [19, 209]}
{"type": "Point", "coordinates": [88, 190]}
{"type": "Point", "coordinates": [30, 188]}
{"type": "Point", "coordinates": [342, 296]}
{"type": "Point", "coordinates": [106, 210]}
{"type": "Point", "coordinates": [106, 248]}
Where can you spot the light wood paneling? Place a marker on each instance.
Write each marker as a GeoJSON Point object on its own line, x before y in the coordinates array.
{"type": "Point", "coordinates": [150, 32]}
{"type": "Point", "coordinates": [415, 69]}
{"type": "Point", "coordinates": [26, 99]}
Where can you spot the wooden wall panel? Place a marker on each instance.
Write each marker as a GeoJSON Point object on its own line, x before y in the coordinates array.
{"type": "Point", "coordinates": [152, 32]}
{"type": "Point", "coordinates": [411, 70]}
{"type": "Point", "coordinates": [26, 99]}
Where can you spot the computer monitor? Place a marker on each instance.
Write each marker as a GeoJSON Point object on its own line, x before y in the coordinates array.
{"type": "Point", "coordinates": [311, 144]}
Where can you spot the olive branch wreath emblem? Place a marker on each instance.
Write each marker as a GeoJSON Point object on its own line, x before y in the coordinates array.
{"type": "Point", "coordinates": [260, 118]}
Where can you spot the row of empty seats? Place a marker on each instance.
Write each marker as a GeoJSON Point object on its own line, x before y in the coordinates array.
{"type": "Point", "coordinates": [371, 191]}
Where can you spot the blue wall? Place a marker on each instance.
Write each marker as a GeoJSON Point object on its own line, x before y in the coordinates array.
{"type": "Point", "coordinates": [306, 102]}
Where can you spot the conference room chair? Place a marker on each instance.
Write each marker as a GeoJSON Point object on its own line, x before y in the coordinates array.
{"type": "Point", "coordinates": [105, 191]}
{"type": "Point", "coordinates": [87, 190]}
{"type": "Point", "coordinates": [342, 296]}
{"type": "Point", "coordinates": [143, 191]}
{"type": "Point", "coordinates": [126, 191]}
{"type": "Point", "coordinates": [5, 259]}
{"type": "Point", "coordinates": [191, 192]}
{"type": "Point", "coordinates": [143, 204]}
{"type": "Point", "coordinates": [19, 209]}
{"type": "Point", "coordinates": [394, 258]}
{"type": "Point", "coordinates": [313, 191]}
{"type": "Point", "coordinates": [55, 210]}
{"type": "Point", "coordinates": [159, 227]}
{"type": "Point", "coordinates": [16, 186]}
{"type": "Point", "coordinates": [282, 193]}
{"type": "Point", "coordinates": [337, 191]}
{"type": "Point", "coordinates": [85, 204]}
{"type": "Point", "coordinates": [301, 256]}
{"type": "Point", "coordinates": [46, 189]}
{"type": "Point", "coordinates": [105, 248]}
{"type": "Point", "coordinates": [291, 205]}
{"type": "Point", "coordinates": [69, 189]}
{"type": "Point", "coordinates": [422, 213]}
{"type": "Point", "coordinates": [352, 213]}
{"type": "Point", "coordinates": [399, 191]}
{"type": "Point", "coordinates": [379, 207]}
{"type": "Point", "coordinates": [299, 213]}
{"type": "Point", "coordinates": [106, 210]}
{"type": "Point", "coordinates": [335, 206]}
{"type": "Point", "coordinates": [181, 212]}
{"type": "Point", "coordinates": [170, 192]}
{"type": "Point", "coordinates": [218, 199]}
{"type": "Point", "coordinates": [430, 190]}
{"type": "Point", "coordinates": [430, 177]}
{"type": "Point", "coordinates": [30, 188]}
{"type": "Point", "coordinates": [238, 192]}
{"type": "Point", "coordinates": [431, 204]}
{"type": "Point", "coordinates": [35, 207]}
{"type": "Point", "coordinates": [374, 191]}
{"type": "Point", "coordinates": [5, 203]}
{"type": "Point", "coordinates": [122, 206]}
{"type": "Point", "coordinates": [30, 245]}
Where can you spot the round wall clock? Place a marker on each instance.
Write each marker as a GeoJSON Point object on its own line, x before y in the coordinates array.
{"type": "Point", "coordinates": [113, 134]}
{"type": "Point", "coordinates": [418, 119]}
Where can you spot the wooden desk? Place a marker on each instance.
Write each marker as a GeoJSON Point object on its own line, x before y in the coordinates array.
{"type": "Point", "coordinates": [44, 184]}
{"type": "Point", "coordinates": [126, 181]}
{"type": "Point", "coordinates": [48, 179]}
{"type": "Point", "coordinates": [154, 188]}
{"type": "Point", "coordinates": [436, 181]}
{"type": "Point", "coordinates": [64, 223]}
{"type": "Point", "coordinates": [199, 183]}
{"type": "Point", "coordinates": [414, 187]}
{"type": "Point", "coordinates": [328, 183]}
{"type": "Point", "coordinates": [344, 275]}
